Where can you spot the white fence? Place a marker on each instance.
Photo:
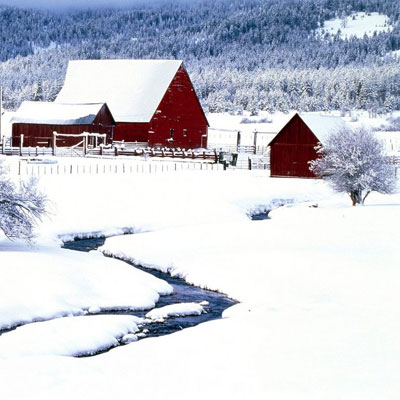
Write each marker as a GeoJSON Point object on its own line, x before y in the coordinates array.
{"type": "Point", "coordinates": [24, 168]}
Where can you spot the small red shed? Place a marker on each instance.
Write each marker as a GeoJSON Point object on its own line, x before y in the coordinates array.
{"type": "Point", "coordinates": [294, 145]}
{"type": "Point", "coordinates": [152, 101]}
{"type": "Point", "coordinates": [37, 121]}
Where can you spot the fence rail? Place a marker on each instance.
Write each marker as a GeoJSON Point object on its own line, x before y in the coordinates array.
{"type": "Point", "coordinates": [25, 168]}
{"type": "Point", "coordinates": [230, 148]}
{"type": "Point", "coordinates": [126, 150]}
{"type": "Point", "coordinates": [211, 156]}
{"type": "Point", "coordinates": [26, 151]}
{"type": "Point", "coordinates": [252, 163]}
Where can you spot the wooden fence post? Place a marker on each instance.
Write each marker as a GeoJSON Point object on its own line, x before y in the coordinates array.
{"type": "Point", "coordinates": [85, 145]}
{"type": "Point", "coordinates": [54, 144]}
{"type": "Point", "coordinates": [21, 143]}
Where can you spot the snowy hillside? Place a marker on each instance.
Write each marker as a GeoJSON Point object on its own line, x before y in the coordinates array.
{"type": "Point", "coordinates": [357, 25]}
{"type": "Point", "coordinates": [241, 55]}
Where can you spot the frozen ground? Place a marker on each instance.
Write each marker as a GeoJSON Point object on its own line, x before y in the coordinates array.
{"type": "Point", "coordinates": [318, 285]}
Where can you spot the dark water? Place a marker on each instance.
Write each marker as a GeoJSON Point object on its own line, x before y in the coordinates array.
{"type": "Point", "coordinates": [183, 293]}
{"type": "Point", "coordinates": [260, 216]}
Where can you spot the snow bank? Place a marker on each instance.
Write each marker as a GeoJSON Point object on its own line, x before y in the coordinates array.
{"type": "Point", "coordinates": [319, 285]}
{"type": "Point", "coordinates": [42, 283]}
{"type": "Point", "coordinates": [133, 201]}
{"type": "Point", "coordinates": [71, 336]}
{"type": "Point", "coordinates": [175, 310]}
{"type": "Point", "coordinates": [271, 262]}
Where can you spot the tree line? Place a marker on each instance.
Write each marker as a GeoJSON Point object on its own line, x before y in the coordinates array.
{"type": "Point", "coordinates": [253, 55]}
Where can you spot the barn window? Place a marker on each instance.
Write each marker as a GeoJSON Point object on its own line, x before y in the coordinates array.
{"type": "Point", "coordinates": [184, 132]}
{"type": "Point", "coordinates": [171, 133]}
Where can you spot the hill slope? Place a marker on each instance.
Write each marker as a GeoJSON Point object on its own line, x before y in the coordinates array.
{"type": "Point", "coordinates": [254, 55]}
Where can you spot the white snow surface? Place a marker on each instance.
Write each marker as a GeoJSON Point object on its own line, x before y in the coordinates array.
{"type": "Point", "coordinates": [175, 310]}
{"type": "Point", "coordinates": [358, 25]}
{"type": "Point", "coordinates": [132, 89]}
{"type": "Point", "coordinates": [56, 113]}
{"type": "Point", "coordinates": [318, 285]}
{"type": "Point", "coordinates": [47, 282]}
{"type": "Point", "coordinates": [323, 126]}
{"type": "Point", "coordinates": [70, 336]}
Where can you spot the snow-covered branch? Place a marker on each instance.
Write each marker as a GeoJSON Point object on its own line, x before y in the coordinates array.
{"type": "Point", "coordinates": [353, 162]}
{"type": "Point", "coordinates": [20, 208]}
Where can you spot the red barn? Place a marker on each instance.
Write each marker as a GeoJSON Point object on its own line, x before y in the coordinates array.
{"type": "Point", "coordinates": [294, 145]}
{"type": "Point", "coordinates": [152, 101]}
{"type": "Point", "coordinates": [37, 121]}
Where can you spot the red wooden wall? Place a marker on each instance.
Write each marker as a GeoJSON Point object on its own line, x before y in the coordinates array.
{"type": "Point", "coordinates": [131, 132]}
{"type": "Point", "coordinates": [42, 134]}
{"type": "Point", "coordinates": [292, 149]}
{"type": "Point", "coordinates": [179, 115]}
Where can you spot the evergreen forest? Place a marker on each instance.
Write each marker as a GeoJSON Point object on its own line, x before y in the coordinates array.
{"type": "Point", "coordinates": [240, 54]}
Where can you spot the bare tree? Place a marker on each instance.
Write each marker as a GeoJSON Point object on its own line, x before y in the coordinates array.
{"type": "Point", "coordinates": [353, 161]}
{"type": "Point", "coordinates": [20, 207]}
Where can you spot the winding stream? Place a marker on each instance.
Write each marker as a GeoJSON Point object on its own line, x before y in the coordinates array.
{"type": "Point", "coordinates": [182, 293]}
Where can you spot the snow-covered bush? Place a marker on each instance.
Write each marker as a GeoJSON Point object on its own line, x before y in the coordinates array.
{"type": "Point", "coordinates": [353, 161]}
{"type": "Point", "coordinates": [20, 207]}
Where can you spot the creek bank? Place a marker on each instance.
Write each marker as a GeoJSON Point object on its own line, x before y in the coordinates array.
{"type": "Point", "coordinates": [214, 303]}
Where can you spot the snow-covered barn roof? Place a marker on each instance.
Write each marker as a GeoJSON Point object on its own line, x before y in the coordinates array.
{"type": "Point", "coordinates": [322, 125]}
{"type": "Point", "coordinates": [37, 112]}
{"type": "Point", "coordinates": [132, 89]}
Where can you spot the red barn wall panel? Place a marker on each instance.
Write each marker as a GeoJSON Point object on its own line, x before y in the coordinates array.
{"type": "Point", "coordinates": [179, 115]}
{"type": "Point", "coordinates": [104, 118]}
{"type": "Point", "coordinates": [131, 132]}
{"type": "Point", "coordinates": [42, 134]}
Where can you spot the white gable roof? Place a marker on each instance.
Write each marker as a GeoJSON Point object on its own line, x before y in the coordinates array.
{"type": "Point", "coordinates": [132, 89]}
{"type": "Point", "coordinates": [37, 112]}
{"type": "Point", "coordinates": [323, 125]}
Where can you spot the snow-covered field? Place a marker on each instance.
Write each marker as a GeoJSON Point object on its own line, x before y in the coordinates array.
{"type": "Point", "coordinates": [357, 25]}
{"type": "Point", "coordinates": [318, 285]}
